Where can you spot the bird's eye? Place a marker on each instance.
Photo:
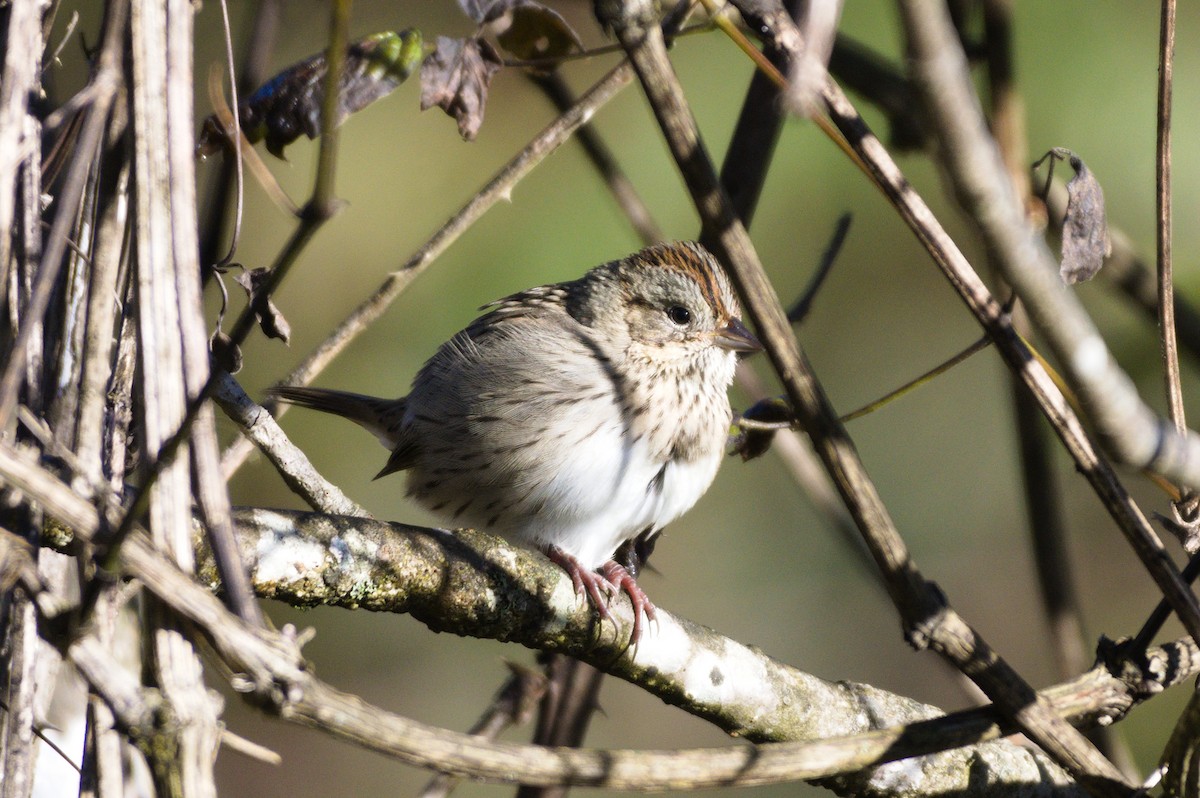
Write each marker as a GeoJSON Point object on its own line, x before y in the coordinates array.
{"type": "Point", "coordinates": [679, 315]}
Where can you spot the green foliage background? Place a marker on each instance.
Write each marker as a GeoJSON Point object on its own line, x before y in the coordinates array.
{"type": "Point", "coordinates": [753, 560]}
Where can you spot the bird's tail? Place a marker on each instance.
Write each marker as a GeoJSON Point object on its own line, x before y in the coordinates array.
{"type": "Point", "coordinates": [380, 417]}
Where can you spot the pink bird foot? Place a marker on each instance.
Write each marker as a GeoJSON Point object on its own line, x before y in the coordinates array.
{"type": "Point", "coordinates": [600, 587]}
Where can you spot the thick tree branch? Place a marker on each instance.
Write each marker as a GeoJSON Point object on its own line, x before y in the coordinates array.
{"type": "Point", "coordinates": [486, 587]}
{"type": "Point", "coordinates": [470, 583]}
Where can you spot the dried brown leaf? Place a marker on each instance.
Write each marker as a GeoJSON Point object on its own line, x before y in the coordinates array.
{"type": "Point", "coordinates": [289, 104]}
{"type": "Point", "coordinates": [766, 416]}
{"type": "Point", "coordinates": [1085, 242]}
{"type": "Point", "coordinates": [531, 31]}
{"type": "Point", "coordinates": [225, 353]}
{"type": "Point", "coordinates": [270, 320]}
{"type": "Point", "coordinates": [456, 76]}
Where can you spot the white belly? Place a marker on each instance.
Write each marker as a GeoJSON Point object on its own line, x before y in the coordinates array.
{"type": "Point", "coordinates": [613, 496]}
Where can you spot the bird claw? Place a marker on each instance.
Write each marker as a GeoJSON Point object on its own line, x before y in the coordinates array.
{"type": "Point", "coordinates": [616, 575]}
{"type": "Point", "coordinates": [600, 587]}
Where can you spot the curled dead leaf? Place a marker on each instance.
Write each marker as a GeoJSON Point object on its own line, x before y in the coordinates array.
{"type": "Point", "coordinates": [531, 31]}
{"type": "Point", "coordinates": [270, 320]}
{"type": "Point", "coordinates": [1085, 241]}
{"type": "Point", "coordinates": [289, 104]}
{"type": "Point", "coordinates": [455, 78]}
{"type": "Point", "coordinates": [755, 429]}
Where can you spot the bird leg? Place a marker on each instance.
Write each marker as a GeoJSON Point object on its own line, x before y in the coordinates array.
{"type": "Point", "coordinates": [600, 586]}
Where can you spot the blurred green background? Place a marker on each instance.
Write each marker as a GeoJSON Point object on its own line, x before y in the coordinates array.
{"type": "Point", "coordinates": [753, 560]}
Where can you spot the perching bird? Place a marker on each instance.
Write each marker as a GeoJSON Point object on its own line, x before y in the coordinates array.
{"type": "Point", "coordinates": [572, 417]}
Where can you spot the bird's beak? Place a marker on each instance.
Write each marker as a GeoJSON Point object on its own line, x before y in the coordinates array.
{"type": "Point", "coordinates": [736, 338]}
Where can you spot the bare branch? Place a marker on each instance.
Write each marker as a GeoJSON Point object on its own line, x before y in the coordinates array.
{"type": "Point", "coordinates": [476, 584]}
{"type": "Point", "coordinates": [105, 83]}
{"type": "Point", "coordinates": [927, 618]}
{"type": "Point", "coordinates": [1047, 527]}
{"type": "Point", "coordinates": [991, 316]}
{"type": "Point", "coordinates": [1128, 428]}
{"type": "Point", "coordinates": [293, 465]}
{"type": "Point", "coordinates": [161, 39]}
{"type": "Point", "coordinates": [1166, 285]}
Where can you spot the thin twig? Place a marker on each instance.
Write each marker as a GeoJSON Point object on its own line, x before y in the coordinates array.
{"type": "Point", "coordinates": [55, 747]}
{"type": "Point", "coordinates": [51, 59]}
{"type": "Point", "coordinates": [298, 472]}
{"type": "Point", "coordinates": [565, 712]}
{"type": "Point", "coordinates": [1154, 623]}
{"type": "Point", "coordinates": [1185, 510]}
{"type": "Point", "coordinates": [322, 200]}
{"type": "Point", "coordinates": [868, 74]}
{"type": "Point", "coordinates": [514, 703]}
{"type": "Point", "coordinates": [237, 140]}
{"type": "Point", "coordinates": [917, 382]}
{"type": "Point", "coordinates": [106, 80]}
{"type": "Point", "coordinates": [1162, 169]}
{"type": "Point", "coordinates": [245, 156]}
{"type": "Point", "coordinates": [604, 49]}
{"type": "Point", "coordinates": [759, 123]}
{"type": "Point", "coordinates": [256, 53]}
{"type": "Point", "coordinates": [800, 309]}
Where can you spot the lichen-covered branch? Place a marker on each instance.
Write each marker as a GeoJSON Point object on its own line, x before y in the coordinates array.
{"type": "Point", "coordinates": [484, 586]}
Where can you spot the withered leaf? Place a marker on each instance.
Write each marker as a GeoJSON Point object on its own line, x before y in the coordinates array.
{"type": "Point", "coordinates": [270, 320]}
{"type": "Point", "coordinates": [455, 77]}
{"type": "Point", "coordinates": [1085, 242]}
{"type": "Point", "coordinates": [225, 353]}
{"type": "Point", "coordinates": [751, 441]}
{"type": "Point", "coordinates": [530, 30]}
{"type": "Point", "coordinates": [212, 137]}
{"type": "Point", "coordinates": [289, 104]}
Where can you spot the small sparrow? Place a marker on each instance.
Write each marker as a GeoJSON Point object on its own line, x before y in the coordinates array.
{"type": "Point", "coordinates": [573, 417]}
